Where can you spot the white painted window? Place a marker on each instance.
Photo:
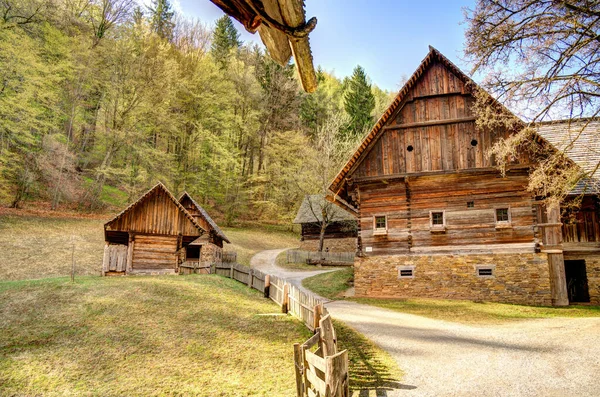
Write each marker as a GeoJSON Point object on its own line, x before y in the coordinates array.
{"type": "Point", "coordinates": [379, 225]}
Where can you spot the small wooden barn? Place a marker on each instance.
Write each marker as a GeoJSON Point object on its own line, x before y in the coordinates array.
{"type": "Point", "coordinates": [151, 236]}
{"type": "Point", "coordinates": [341, 230]}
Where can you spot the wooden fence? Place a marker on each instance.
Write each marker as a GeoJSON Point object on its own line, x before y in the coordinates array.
{"type": "Point", "coordinates": [304, 306]}
{"type": "Point", "coordinates": [192, 267]}
{"type": "Point", "coordinates": [229, 257]}
{"type": "Point", "coordinates": [324, 371]}
{"type": "Point", "coordinates": [297, 256]}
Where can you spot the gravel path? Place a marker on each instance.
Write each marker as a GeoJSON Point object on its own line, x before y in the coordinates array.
{"type": "Point", "coordinates": [543, 357]}
{"type": "Point", "coordinates": [265, 262]}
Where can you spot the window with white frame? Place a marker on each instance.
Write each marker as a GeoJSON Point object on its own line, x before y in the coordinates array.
{"type": "Point", "coordinates": [502, 216]}
{"type": "Point", "coordinates": [406, 271]}
{"type": "Point", "coordinates": [437, 220]}
{"type": "Point", "coordinates": [485, 270]}
{"type": "Point", "coordinates": [379, 224]}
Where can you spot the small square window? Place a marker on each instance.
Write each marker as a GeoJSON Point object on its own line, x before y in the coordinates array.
{"type": "Point", "coordinates": [380, 222]}
{"type": "Point", "coordinates": [502, 215]}
{"type": "Point", "coordinates": [406, 271]}
{"type": "Point", "coordinates": [380, 225]}
{"type": "Point", "coordinates": [437, 218]}
{"type": "Point", "coordinates": [485, 271]}
{"type": "Point", "coordinates": [470, 204]}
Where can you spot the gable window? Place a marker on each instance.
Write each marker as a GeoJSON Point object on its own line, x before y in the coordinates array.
{"type": "Point", "coordinates": [502, 218]}
{"type": "Point", "coordinates": [470, 204]}
{"type": "Point", "coordinates": [380, 225]}
{"type": "Point", "coordinates": [437, 221]}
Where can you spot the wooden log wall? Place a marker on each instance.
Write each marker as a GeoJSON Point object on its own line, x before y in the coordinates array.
{"type": "Point", "coordinates": [155, 214]}
{"type": "Point", "coordinates": [155, 252]}
{"type": "Point", "coordinates": [408, 216]}
{"type": "Point", "coordinates": [582, 225]}
{"type": "Point", "coordinates": [433, 130]}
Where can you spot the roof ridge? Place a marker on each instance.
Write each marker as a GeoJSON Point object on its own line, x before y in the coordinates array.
{"type": "Point", "coordinates": [207, 217]}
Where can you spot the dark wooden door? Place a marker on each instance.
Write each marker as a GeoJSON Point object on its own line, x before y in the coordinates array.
{"type": "Point", "coordinates": [577, 283]}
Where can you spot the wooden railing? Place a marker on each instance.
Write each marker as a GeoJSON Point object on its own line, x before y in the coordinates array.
{"type": "Point", "coordinates": [229, 257]}
{"type": "Point", "coordinates": [194, 267]}
{"type": "Point", "coordinates": [324, 371]}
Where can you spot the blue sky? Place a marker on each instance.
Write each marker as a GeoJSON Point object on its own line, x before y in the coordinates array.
{"type": "Point", "coordinates": [388, 38]}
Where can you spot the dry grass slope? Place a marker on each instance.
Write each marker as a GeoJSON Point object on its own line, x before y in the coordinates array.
{"type": "Point", "coordinates": [142, 336]}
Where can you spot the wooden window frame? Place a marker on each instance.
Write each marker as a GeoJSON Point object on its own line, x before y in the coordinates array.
{"type": "Point", "coordinates": [437, 228]}
{"type": "Point", "coordinates": [503, 224]}
{"type": "Point", "coordinates": [405, 268]}
{"type": "Point", "coordinates": [480, 267]}
{"type": "Point", "coordinates": [380, 231]}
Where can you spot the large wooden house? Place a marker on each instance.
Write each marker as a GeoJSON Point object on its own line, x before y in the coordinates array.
{"type": "Point", "coordinates": [154, 235]}
{"type": "Point", "coordinates": [340, 231]}
{"type": "Point", "coordinates": [436, 217]}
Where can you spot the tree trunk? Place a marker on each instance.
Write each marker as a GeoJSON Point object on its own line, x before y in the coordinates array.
{"type": "Point", "coordinates": [322, 236]}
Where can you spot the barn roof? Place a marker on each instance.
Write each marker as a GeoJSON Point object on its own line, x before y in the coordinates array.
{"type": "Point", "coordinates": [312, 213]}
{"type": "Point", "coordinates": [206, 217]}
{"type": "Point", "coordinates": [158, 186]}
{"type": "Point", "coordinates": [580, 141]}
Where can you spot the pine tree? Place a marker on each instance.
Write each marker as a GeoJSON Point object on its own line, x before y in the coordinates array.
{"type": "Point", "coordinates": [359, 102]}
{"type": "Point", "coordinates": [225, 38]}
{"type": "Point", "coordinates": [162, 18]}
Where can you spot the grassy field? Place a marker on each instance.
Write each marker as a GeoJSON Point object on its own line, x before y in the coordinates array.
{"type": "Point", "coordinates": [41, 246]}
{"type": "Point", "coordinates": [330, 285]}
{"type": "Point", "coordinates": [138, 336]}
{"type": "Point", "coordinates": [188, 335]}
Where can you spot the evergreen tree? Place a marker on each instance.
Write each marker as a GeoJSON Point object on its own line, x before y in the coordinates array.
{"type": "Point", "coordinates": [359, 102]}
{"type": "Point", "coordinates": [162, 18]}
{"type": "Point", "coordinates": [225, 38]}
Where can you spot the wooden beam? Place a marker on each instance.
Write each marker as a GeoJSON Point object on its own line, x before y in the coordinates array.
{"type": "Point", "coordinates": [430, 123]}
{"type": "Point", "coordinates": [276, 41]}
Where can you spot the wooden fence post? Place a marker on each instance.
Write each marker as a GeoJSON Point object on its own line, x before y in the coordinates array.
{"type": "Point", "coordinates": [231, 270]}
{"type": "Point", "coordinates": [318, 311]}
{"type": "Point", "coordinates": [298, 361]}
{"type": "Point", "coordinates": [250, 277]}
{"type": "Point", "coordinates": [267, 285]}
{"type": "Point", "coordinates": [286, 298]}
{"type": "Point", "coordinates": [336, 375]}
{"type": "Point", "coordinates": [328, 338]}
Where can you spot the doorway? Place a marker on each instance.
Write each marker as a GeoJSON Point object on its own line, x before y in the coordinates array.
{"type": "Point", "coordinates": [577, 283]}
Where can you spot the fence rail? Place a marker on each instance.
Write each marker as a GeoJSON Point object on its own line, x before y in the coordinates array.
{"type": "Point", "coordinates": [229, 257]}
{"type": "Point", "coordinates": [297, 256]}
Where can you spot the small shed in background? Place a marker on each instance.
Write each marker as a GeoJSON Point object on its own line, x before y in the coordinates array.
{"type": "Point", "coordinates": [340, 233]}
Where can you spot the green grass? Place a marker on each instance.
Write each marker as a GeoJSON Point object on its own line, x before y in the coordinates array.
{"type": "Point", "coordinates": [249, 241]}
{"type": "Point", "coordinates": [371, 368]}
{"type": "Point", "coordinates": [469, 312]}
{"type": "Point", "coordinates": [38, 247]}
{"type": "Point", "coordinates": [111, 195]}
{"type": "Point", "coordinates": [330, 285]}
{"type": "Point", "coordinates": [281, 261]}
{"type": "Point", "coordinates": [141, 336]}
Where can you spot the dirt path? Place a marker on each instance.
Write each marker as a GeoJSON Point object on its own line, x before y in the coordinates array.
{"type": "Point", "coordinates": [265, 262]}
{"type": "Point", "coordinates": [545, 357]}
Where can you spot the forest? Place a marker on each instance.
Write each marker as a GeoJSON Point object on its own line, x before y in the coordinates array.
{"type": "Point", "coordinates": [99, 96]}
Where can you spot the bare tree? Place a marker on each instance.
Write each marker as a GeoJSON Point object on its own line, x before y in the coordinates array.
{"type": "Point", "coordinates": [540, 58]}
{"type": "Point", "coordinates": [107, 13]}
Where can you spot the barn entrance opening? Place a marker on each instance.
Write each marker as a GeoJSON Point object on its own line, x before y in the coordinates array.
{"type": "Point", "coordinates": [192, 252]}
{"type": "Point", "coordinates": [577, 283]}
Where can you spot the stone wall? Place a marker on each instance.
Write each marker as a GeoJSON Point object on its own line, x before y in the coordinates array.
{"type": "Point", "coordinates": [334, 245]}
{"type": "Point", "coordinates": [592, 268]}
{"type": "Point", "coordinates": [211, 253]}
{"type": "Point", "coordinates": [518, 278]}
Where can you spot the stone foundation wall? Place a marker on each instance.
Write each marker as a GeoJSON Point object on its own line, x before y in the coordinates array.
{"type": "Point", "coordinates": [518, 278]}
{"type": "Point", "coordinates": [334, 245]}
{"type": "Point", "coordinates": [211, 253]}
{"type": "Point", "coordinates": [592, 268]}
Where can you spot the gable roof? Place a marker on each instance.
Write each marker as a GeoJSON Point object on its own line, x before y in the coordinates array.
{"type": "Point", "coordinates": [433, 55]}
{"type": "Point", "coordinates": [580, 141]}
{"type": "Point", "coordinates": [206, 217]}
{"type": "Point", "coordinates": [308, 214]}
{"type": "Point", "coordinates": [158, 186]}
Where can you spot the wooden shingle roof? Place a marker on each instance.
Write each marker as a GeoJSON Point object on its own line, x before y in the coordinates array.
{"type": "Point", "coordinates": [580, 141]}
{"type": "Point", "coordinates": [158, 186]}
{"type": "Point", "coordinates": [215, 228]}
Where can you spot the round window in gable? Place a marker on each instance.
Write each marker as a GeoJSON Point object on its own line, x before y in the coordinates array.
{"type": "Point", "coordinates": [410, 148]}
{"type": "Point", "coordinates": [474, 142]}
